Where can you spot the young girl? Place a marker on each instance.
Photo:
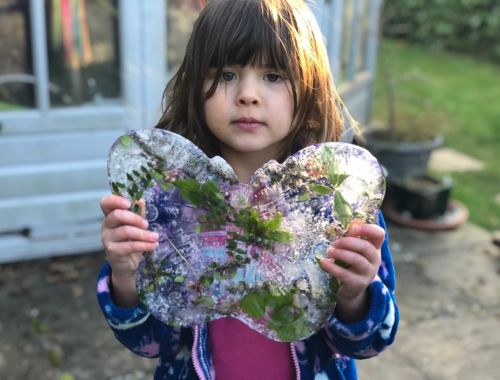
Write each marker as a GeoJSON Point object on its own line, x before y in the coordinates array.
{"type": "Point", "coordinates": [254, 85]}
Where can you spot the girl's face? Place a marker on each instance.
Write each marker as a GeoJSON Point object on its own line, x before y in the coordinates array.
{"type": "Point", "coordinates": [251, 110]}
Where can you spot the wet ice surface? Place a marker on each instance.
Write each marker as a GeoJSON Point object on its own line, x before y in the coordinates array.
{"type": "Point", "coordinates": [249, 251]}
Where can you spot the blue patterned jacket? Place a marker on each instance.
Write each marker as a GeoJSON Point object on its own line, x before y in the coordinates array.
{"type": "Point", "coordinates": [329, 354]}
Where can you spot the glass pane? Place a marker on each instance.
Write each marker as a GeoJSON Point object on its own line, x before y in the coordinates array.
{"type": "Point", "coordinates": [83, 52]}
{"type": "Point", "coordinates": [181, 15]}
{"type": "Point", "coordinates": [364, 31]}
{"type": "Point", "coordinates": [17, 82]}
{"type": "Point", "coordinates": [346, 36]}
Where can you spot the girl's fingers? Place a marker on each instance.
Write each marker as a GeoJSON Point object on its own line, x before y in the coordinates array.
{"type": "Point", "coordinates": [344, 275]}
{"type": "Point", "coordinates": [355, 262]}
{"type": "Point", "coordinates": [113, 202]}
{"type": "Point", "coordinates": [125, 233]}
{"type": "Point", "coordinates": [371, 232]}
{"type": "Point", "coordinates": [360, 247]}
{"type": "Point", "coordinates": [119, 217]}
{"type": "Point", "coordinates": [125, 248]}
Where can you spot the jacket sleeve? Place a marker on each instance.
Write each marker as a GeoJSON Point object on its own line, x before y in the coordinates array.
{"type": "Point", "coordinates": [136, 328]}
{"type": "Point", "coordinates": [372, 335]}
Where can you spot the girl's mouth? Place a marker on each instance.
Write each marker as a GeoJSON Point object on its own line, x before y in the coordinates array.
{"type": "Point", "coordinates": [248, 124]}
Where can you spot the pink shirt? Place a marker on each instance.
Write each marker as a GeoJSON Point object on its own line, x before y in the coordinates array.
{"type": "Point", "coordinates": [239, 352]}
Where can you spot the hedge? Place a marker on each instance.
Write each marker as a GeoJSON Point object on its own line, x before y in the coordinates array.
{"type": "Point", "coordinates": [469, 26]}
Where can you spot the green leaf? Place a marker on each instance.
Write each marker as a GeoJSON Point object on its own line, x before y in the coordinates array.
{"type": "Point", "coordinates": [179, 279]}
{"type": "Point", "coordinates": [287, 321]}
{"type": "Point", "coordinates": [190, 190]}
{"type": "Point", "coordinates": [281, 236]}
{"type": "Point", "coordinates": [205, 301]}
{"type": "Point", "coordinates": [231, 244]}
{"type": "Point", "coordinates": [285, 315]}
{"type": "Point", "coordinates": [318, 258]}
{"type": "Point", "coordinates": [304, 197]}
{"type": "Point", "coordinates": [343, 209]}
{"type": "Point", "coordinates": [337, 179]}
{"type": "Point", "coordinates": [126, 140]}
{"type": "Point", "coordinates": [320, 189]}
{"type": "Point", "coordinates": [275, 222]}
{"type": "Point", "coordinates": [334, 285]}
{"type": "Point", "coordinates": [341, 263]}
{"type": "Point", "coordinates": [254, 304]}
{"type": "Point", "coordinates": [206, 281]}
{"type": "Point", "coordinates": [166, 186]}
{"type": "Point", "coordinates": [115, 188]}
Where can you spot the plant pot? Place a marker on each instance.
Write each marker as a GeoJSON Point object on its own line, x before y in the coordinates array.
{"type": "Point", "coordinates": [422, 197]}
{"type": "Point", "coordinates": [400, 159]}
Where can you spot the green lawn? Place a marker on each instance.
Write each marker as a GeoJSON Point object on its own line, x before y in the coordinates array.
{"type": "Point", "coordinates": [469, 92]}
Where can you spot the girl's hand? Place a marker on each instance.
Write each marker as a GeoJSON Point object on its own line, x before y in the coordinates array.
{"type": "Point", "coordinates": [359, 257]}
{"type": "Point", "coordinates": [125, 237]}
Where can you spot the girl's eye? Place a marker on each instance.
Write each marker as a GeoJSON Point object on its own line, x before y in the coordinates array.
{"type": "Point", "coordinates": [273, 77]}
{"type": "Point", "coordinates": [228, 76]}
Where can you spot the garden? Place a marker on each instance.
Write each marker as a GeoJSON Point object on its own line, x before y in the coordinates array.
{"type": "Point", "coordinates": [443, 62]}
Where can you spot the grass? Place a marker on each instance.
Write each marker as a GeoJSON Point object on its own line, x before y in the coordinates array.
{"type": "Point", "coordinates": [4, 106]}
{"type": "Point", "coordinates": [468, 91]}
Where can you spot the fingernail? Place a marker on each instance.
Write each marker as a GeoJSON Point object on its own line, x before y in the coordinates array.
{"type": "Point", "coordinates": [355, 230]}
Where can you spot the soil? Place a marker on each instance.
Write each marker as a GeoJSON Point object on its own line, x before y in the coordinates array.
{"type": "Point", "coordinates": [51, 326]}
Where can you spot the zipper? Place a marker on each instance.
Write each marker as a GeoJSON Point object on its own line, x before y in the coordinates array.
{"type": "Point", "coordinates": [194, 354]}
{"type": "Point", "coordinates": [295, 360]}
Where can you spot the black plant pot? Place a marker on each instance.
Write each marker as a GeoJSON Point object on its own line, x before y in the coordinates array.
{"type": "Point", "coordinates": [423, 197]}
{"type": "Point", "coordinates": [400, 159]}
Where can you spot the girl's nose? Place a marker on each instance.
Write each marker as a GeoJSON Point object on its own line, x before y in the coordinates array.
{"type": "Point", "coordinates": [248, 93]}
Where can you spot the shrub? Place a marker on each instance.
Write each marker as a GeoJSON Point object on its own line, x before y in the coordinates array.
{"type": "Point", "coordinates": [468, 26]}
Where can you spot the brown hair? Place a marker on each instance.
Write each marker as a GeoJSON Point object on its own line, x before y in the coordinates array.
{"type": "Point", "coordinates": [282, 33]}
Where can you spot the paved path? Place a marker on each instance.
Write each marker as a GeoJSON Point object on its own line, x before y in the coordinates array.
{"type": "Point", "coordinates": [448, 292]}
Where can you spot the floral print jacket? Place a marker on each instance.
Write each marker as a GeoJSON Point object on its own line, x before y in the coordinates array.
{"type": "Point", "coordinates": [329, 354]}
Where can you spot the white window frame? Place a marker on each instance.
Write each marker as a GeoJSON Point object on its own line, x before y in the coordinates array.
{"type": "Point", "coordinates": [142, 40]}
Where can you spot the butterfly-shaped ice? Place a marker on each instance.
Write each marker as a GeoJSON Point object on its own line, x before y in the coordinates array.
{"type": "Point", "coordinates": [249, 251]}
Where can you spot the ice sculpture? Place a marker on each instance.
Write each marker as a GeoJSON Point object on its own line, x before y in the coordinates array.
{"type": "Point", "coordinates": [249, 251]}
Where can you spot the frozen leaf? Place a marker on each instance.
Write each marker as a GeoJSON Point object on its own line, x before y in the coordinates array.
{"type": "Point", "coordinates": [343, 209]}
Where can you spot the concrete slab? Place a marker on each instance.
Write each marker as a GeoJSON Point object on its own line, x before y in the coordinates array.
{"type": "Point", "coordinates": [448, 288]}
{"type": "Point", "coordinates": [497, 198]}
{"type": "Point", "coordinates": [448, 160]}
